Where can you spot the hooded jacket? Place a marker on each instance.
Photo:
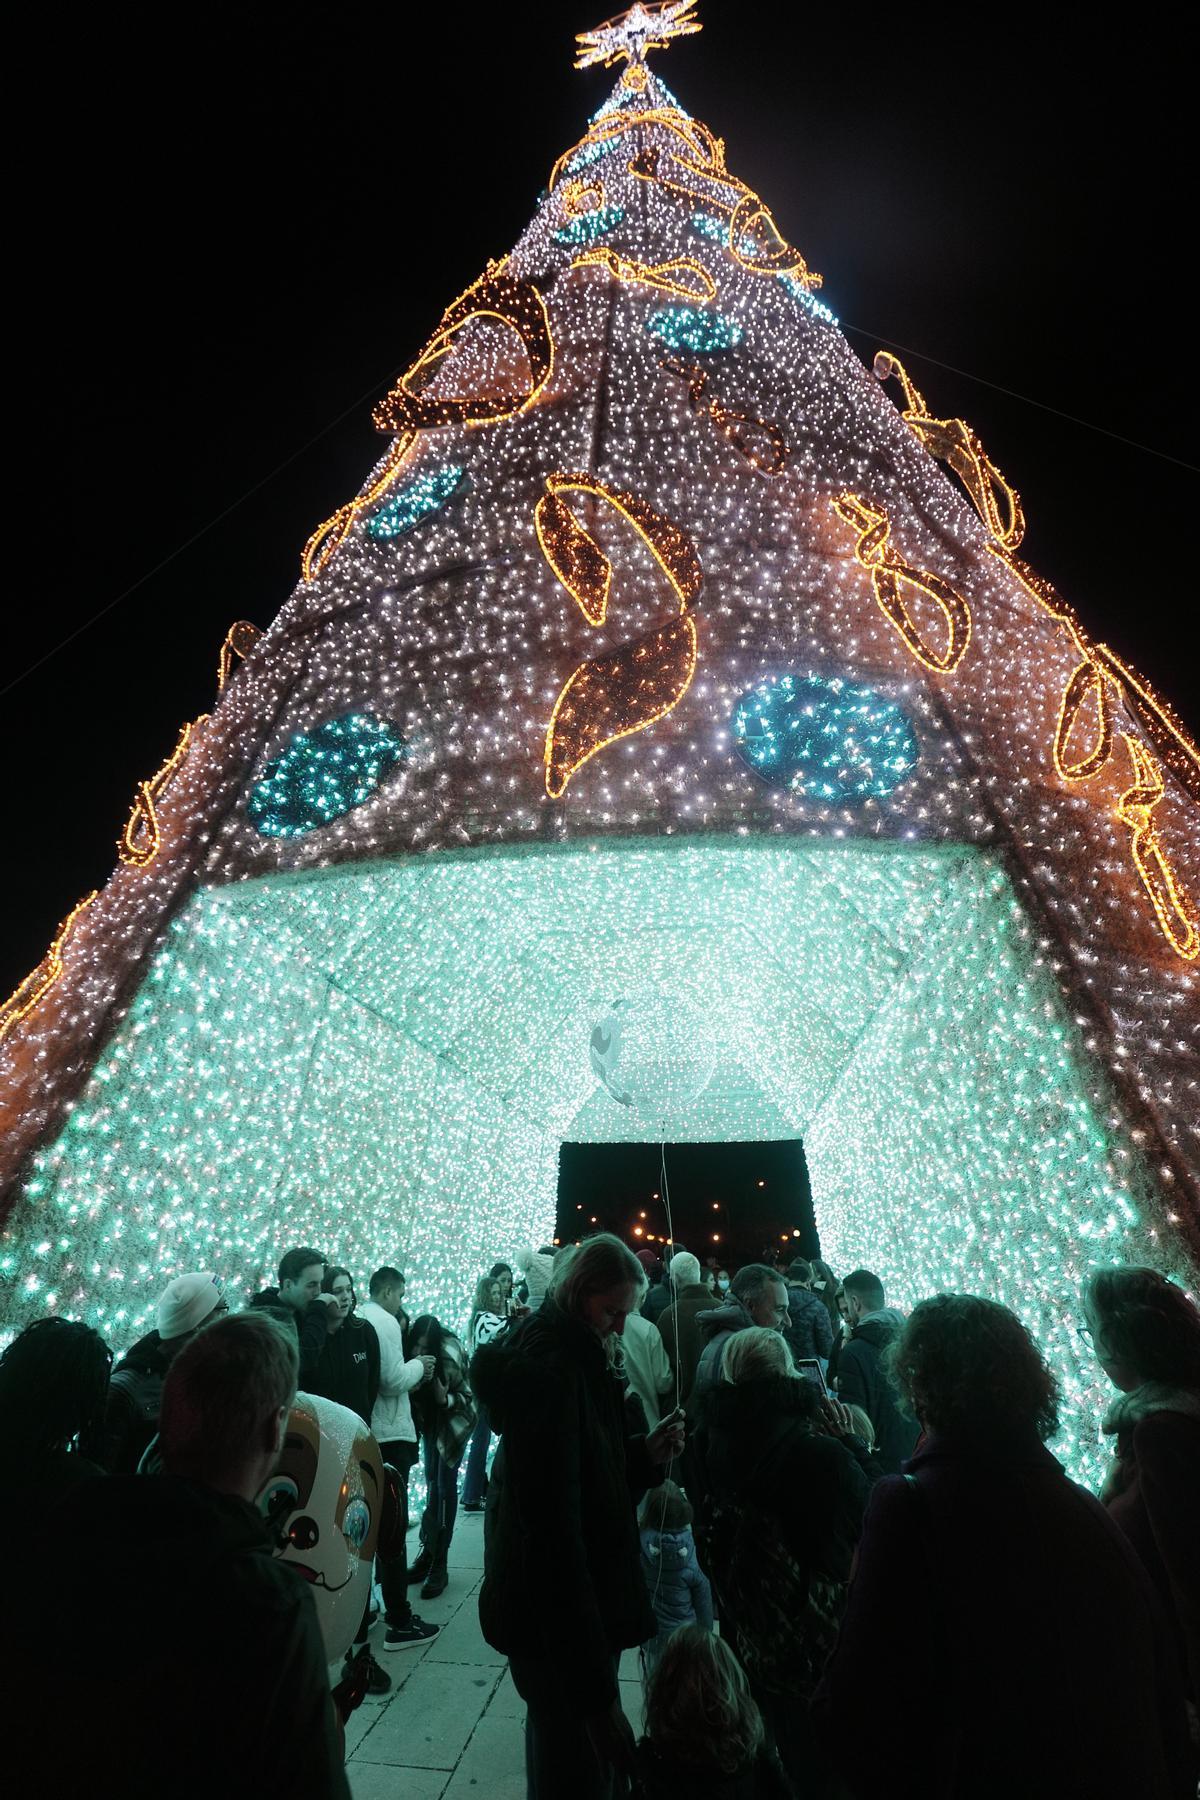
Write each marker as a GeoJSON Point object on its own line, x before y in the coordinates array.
{"type": "Point", "coordinates": [213, 1672]}
{"type": "Point", "coordinates": [134, 1397]}
{"type": "Point", "coordinates": [309, 1326]}
{"type": "Point", "coordinates": [677, 1585]}
{"type": "Point", "coordinates": [1153, 1495]}
{"type": "Point", "coordinates": [861, 1381]}
{"type": "Point", "coordinates": [347, 1368]}
{"type": "Point", "coordinates": [560, 1516]}
{"type": "Point", "coordinates": [716, 1328]}
{"type": "Point", "coordinates": [808, 1331]}
{"type": "Point", "coordinates": [392, 1417]}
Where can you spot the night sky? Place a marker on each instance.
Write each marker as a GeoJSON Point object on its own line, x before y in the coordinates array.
{"type": "Point", "coordinates": [237, 228]}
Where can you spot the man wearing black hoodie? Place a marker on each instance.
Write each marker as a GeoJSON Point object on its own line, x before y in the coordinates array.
{"type": "Point", "coordinates": [299, 1303]}
{"type": "Point", "coordinates": [200, 1663]}
{"type": "Point", "coordinates": [862, 1380]}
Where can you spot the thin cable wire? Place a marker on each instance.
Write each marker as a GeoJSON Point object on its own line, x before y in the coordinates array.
{"type": "Point", "coordinates": [197, 535]}
{"type": "Point", "coordinates": [999, 388]}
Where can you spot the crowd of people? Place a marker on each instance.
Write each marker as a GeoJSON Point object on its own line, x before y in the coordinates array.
{"type": "Point", "coordinates": [833, 1529]}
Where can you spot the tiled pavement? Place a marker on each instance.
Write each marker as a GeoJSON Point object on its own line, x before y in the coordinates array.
{"type": "Point", "coordinates": [452, 1725]}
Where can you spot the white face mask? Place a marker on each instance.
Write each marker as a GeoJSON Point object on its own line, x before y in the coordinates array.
{"type": "Point", "coordinates": [723, 1286]}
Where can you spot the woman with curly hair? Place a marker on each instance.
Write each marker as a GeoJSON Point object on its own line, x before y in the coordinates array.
{"type": "Point", "coordinates": [1146, 1334]}
{"type": "Point", "coordinates": [704, 1734]}
{"type": "Point", "coordinates": [996, 1611]}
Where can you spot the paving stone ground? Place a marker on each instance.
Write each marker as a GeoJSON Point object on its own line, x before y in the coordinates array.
{"type": "Point", "coordinates": [453, 1724]}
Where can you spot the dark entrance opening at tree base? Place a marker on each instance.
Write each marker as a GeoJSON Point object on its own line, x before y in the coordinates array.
{"type": "Point", "coordinates": [730, 1203]}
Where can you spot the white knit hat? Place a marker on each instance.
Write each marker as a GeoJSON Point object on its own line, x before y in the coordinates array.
{"type": "Point", "coordinates": [185, 1303]}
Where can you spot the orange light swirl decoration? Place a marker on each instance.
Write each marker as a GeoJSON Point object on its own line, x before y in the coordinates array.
{"type": "Point", "coordinates": [141, 840]}
{"type": "Point", "coordinates": [37, 984]}
{"type": "Point", "coordinates": [582, 197]}
{"type": "Point", "coordinates": [1135, 808]}
{"type": "Point", "coordinates": [889, 570]}
{"type": "Point", "coordinates": [728, 423]}
{"type": "Point", "coordinates": [1153, 714]}
{"type": "Point", "coordinates": [955, 443]}
{"type": "Point", "coordinates": [700, 158]}
{"type": "Point", "coordinates": [682, 276]}
{"type": "Point", "coordinates": [240, 640]}
{"type": "Point", "coordinates": [611, 697]}
{"type": "Point", "coordinates": [406, 412]}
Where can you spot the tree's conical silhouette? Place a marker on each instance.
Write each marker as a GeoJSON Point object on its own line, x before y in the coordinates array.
{"type": "Point", "coordinates": [661, 655]}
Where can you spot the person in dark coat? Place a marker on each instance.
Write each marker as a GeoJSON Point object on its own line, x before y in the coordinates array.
{"type": "Point", "coordinates": [767, 1441]}
{"type": "Point", "coordinates": [661, 1294]}
{"type": "Point", "coordinates": [1146, 1334]}
{"type": "Point", "coordinates": [704, 1734]}
{"type": "Point", "coordinates": [758, 1297]}
{"type": "Point", "coordinates": [347, 1369]}
{"type": "Point", "coordinates": [996, 1614]}
{"type": "Point", "coordinates": [861, 1378]}
{"type": "Point", "coordinates": [687, 1299]}
{"type": "Point", "coordinates": [562, 1591]}
{"type": "Point", "coordinates": [299, 1304]}
{"type": "Point", "coordinates": [212, 1678]}
{"type": "Point", "coordinates": [444, 1411]}
{"type": "Point", "coordinates": [808, 1330]}
{"type": "Point", "coordinates": [135, 1390]}
{"type": "Point", "coordinates": [53, 1380]}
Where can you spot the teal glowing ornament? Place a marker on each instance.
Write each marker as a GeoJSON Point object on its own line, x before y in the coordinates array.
{"type": "Point", "coordinates": [586, 227]}
{"type": "Point", "coordinates": [417, 499]}
{"type": "Point", "coordinates": [825, 738]}
{"type": "Point", "coordinates": [692, 328]}
{"type": "Point", "coordinates": [322, 774]}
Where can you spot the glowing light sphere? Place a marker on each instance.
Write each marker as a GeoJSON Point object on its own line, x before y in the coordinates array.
{"type": "Point", "coordinates": [322, 774]}
{"type": "Point", "coordinates": [417, 500]}
{"type": "Point", "coordinates": [654, 1052]}
{"type": "Point", "coordinates": [825, 737]}
{"type": "Point", "coordinates": [692, 328]}
{"type": "Point", "coordinates": [586, 227]}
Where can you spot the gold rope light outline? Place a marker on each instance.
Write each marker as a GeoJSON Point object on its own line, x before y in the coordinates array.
{"type": "Point", "coordinates": [887, 568]}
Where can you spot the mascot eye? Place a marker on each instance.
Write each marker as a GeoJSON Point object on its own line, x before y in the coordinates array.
{"type": "Point", "coordinates": [357, 1523]}
{"type": "Point", "coordinates": [279, 1497]}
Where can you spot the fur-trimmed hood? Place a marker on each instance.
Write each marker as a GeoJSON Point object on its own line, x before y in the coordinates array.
{"type": "Point", "coordinates": [1128, 1410]}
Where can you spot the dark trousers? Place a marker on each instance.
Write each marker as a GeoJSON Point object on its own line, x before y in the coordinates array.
{"type": "Point", "coordinates": [560, 1763]}
{"type": "Point", "coordinates": [393, 1573]}
{"type": "Point", "coordinates": [475, 1480]}
{"type": "Point", "coordinates": [441, 1507]}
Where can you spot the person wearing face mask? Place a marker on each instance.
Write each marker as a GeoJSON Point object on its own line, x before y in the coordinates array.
{"type": "Point", "coordinates": [721, 1283]}
{"type": "Point", "coordinates": [561, 1507]}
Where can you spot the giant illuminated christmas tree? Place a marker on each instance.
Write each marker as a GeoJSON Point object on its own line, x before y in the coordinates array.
{"type": "Point", "coordinates": [667, 649]}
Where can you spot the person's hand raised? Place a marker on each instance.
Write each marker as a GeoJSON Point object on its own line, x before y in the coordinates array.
{"type": "Point", "coordinates": [430, 1364]}
{"type": "Point", "coordinates": [666, 1440]}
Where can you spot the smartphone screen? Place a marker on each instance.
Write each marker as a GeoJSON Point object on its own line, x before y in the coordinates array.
{"type": "Point", "coordinates": [810, 1370]}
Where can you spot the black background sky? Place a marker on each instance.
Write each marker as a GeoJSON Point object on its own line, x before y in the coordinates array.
{"type": "Point", "coordinates": [236, 227]}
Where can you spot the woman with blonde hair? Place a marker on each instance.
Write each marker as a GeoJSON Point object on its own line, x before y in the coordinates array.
{"type": "Point", "coordinates": [781, 1496]}
{"type": "Point", "coordinates": [704, 1734]}
{"type": "Point", "coordinates": [565, 1482]}
{"type": "Point", "coordinates": [488, 1319]}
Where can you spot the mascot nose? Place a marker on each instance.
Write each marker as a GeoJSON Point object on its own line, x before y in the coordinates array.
{"type": "Point", "coordinates": [303, 1533]}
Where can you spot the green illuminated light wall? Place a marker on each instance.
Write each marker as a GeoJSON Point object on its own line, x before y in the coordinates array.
{"type": "Point", "coordinates": [381, 1060]}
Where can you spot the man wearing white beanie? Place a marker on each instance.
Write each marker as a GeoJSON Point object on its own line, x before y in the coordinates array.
{"type": "Point", "coordinates": [135, 1389]}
